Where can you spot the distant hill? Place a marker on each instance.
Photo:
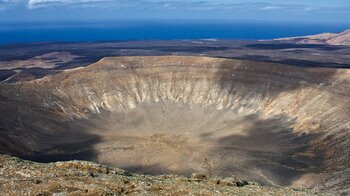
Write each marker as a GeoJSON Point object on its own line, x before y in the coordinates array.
{"type": "Point", "coordinates": [342, 38]}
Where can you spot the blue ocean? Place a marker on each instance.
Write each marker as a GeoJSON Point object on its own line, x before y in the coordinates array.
{"type": "Point", "coordinates": [156, 30]}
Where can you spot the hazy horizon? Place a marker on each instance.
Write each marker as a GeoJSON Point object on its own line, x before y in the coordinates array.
{"type": "Point", "coordinates": [318, 11]}
{"type": "Point", "coordinates": [100, 20]}
{"type": "Point", "coordinates": [156, 30]}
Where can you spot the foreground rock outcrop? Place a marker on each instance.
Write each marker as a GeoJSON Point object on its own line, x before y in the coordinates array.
{"type": "Point", "coordinates": [269, 123]}
{"type": "Point", "coordinates": [18, 177]}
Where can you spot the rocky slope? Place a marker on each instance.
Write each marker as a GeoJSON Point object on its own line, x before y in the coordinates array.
{"type": "Point", "coordinates": [342, 38]}
{"type": "Point", "coordinates": [19, 177]}
{"type": "Point", "coordinates": [269, 123]}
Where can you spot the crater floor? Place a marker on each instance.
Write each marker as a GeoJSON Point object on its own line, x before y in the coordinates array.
{"type": "Point", "coordinates": [264, 122]}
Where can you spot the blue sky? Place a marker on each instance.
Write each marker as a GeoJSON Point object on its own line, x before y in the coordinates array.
{"type": "Point", "coordinates": [320, 11]}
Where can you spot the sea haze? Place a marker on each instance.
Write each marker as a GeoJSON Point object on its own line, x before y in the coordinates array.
{"type": "Point", "coordinates": [156, 30]}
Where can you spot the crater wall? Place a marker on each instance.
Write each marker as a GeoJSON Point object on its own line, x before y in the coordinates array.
{"type": "Point", "coordinates": [270, 123]}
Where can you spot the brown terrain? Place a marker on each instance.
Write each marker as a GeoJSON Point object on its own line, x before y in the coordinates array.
{"type": "Point", "coordinates": [48, 60]}
{"type": "Point", "coordinates": [342, 38]}
{"type": "Point", "coordinates": [269, 123]}
{"type": "Point", "coordinates": [25, 62]}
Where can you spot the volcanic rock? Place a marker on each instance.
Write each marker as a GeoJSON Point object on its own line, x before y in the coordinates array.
{"type": "Point", "coordinates": [269, 123]}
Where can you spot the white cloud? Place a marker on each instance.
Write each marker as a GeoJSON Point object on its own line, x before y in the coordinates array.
{"type": "Point", "coordinates": [196, 5]}
{"type": "Point", "coordinates": [47, 3]}
{"type": "Point", "coordinates": [164, 4]}
{"type": "Point", "coordinates": [271, 7]}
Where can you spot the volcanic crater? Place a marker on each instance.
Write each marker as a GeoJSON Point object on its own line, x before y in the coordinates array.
{"type": "Point", "coordinates": [270, 123]}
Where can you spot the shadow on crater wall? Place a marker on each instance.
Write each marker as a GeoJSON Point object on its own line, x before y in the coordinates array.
{"type": "Point", "coordinates": [42, 135]}
{"type": "Point", "coordinates": [269, 152]}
